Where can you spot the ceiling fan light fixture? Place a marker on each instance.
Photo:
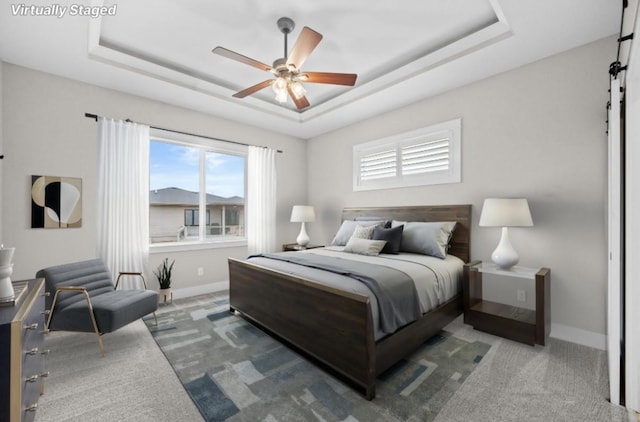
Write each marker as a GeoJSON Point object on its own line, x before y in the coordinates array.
{"type": "Point", "coordinates": [280, 88]}
{"type": "Point", "coordinates": [297, 90]}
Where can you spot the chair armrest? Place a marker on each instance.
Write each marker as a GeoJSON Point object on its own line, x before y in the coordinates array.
{"type": "Point", "coordinates": [70, 289]}
{"type": "Point", "coordinates": [79, 289]}
{"type": "Point", "coordinates": [135, 273]}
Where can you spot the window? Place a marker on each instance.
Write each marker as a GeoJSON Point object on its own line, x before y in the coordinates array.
{"type": "Point", "coordinates": [197, 190]}
{"type": "Point", "coordinates": [425, 156]}
{"type": "Point", "coordinates": [192, 217]}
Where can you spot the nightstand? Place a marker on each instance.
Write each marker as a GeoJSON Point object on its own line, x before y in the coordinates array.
{"type": "Point", "coordinates": [287, 247]}
{"type": "Point", "coordinates": [512, 322]}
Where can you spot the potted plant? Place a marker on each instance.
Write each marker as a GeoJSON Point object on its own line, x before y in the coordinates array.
{"type": "Point", "coordinates": [164, 278]}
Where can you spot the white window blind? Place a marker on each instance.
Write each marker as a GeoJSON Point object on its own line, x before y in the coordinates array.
{"type": "Point", "coordinates": [378, 165]}
{"type": "Point", "coordinates": [425, 156]}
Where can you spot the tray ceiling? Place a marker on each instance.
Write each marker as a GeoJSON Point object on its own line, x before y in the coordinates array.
{"type": "Point", "coordinates": [162, 50]}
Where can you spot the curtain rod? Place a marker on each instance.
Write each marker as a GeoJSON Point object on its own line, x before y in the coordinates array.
{"type": "Point", "coordinates": [95, 117]}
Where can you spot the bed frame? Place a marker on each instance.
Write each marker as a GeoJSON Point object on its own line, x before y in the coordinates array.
{"type": "Point", "coordinates": [334, 326]}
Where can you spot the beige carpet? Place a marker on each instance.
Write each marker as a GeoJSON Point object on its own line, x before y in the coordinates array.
{"type": "Point", "coordinates": [514, 382]}
{"type": "Point", "coordinates": [132, 382]}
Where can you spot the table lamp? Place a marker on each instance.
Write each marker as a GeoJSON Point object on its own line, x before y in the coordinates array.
{"type": "Point", "coordinates": [302, 214]}
{"type": "Point", "coordinates": [505, 213]}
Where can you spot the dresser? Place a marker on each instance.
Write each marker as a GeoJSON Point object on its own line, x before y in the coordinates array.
{"type": "Point", "coordinates": [22, 358]}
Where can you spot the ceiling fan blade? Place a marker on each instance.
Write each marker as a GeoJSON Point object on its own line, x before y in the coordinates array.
{"type": "Point", "coordinates": [305, 44]}
{"type": "Point", "coordinates": [252, 89]}
{"type": "Point", "coordinates": [329, 78]}
{"type": "Point", "coordinates": [240, 58]}
{"type": "Point", "coordinates": [301, 102]}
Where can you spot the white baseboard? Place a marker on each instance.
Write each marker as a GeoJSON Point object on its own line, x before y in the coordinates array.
{"type": "Point", "coordinates": [578, 336]}
{"type": "Point", "coordinates": [200, 290]}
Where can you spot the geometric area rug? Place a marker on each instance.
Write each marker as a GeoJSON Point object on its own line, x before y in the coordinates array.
{"type": "Point", "coordinates": [233, 371]}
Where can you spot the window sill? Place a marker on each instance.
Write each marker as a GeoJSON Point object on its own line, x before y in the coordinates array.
{"type": "Point", "coordinates": [194, 246]}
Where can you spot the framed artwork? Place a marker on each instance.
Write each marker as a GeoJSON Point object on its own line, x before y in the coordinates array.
{"type": "Point", "coordinates": [56, 202]}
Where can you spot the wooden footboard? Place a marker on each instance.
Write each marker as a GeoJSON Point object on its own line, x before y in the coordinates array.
{"type": "Point", "coordinates": [333, 326]}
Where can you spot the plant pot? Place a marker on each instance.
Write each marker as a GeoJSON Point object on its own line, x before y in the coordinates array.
{"type": "Point", "coordinates": [165, 294]}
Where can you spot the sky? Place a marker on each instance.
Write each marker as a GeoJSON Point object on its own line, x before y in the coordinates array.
{"type": "Point", "coordinates": [173, 165]}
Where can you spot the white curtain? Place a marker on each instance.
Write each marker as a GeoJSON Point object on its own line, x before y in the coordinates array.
{"type": "Point", "coordinates": [123, 197]}
{"type": "Point", "coordinates": [261, 200]}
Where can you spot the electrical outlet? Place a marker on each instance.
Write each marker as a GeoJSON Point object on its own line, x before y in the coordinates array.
{"type": "Point", "coordinates": [200, 271]}
{"type": "Point", "coordinates": [521, 296]}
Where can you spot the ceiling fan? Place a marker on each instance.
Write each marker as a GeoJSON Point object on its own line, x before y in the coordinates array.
{"type": "Point", "coordinates": [288, 76]}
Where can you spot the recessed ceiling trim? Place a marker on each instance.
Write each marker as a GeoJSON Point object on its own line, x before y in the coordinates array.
{"type": "Point", "coordinates": [111, 53]}
{"type": "Point", "coordinates": [460, 48]}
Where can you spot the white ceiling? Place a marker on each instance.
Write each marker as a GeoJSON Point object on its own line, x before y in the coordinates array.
{"type": "Point", "coordinates": [403, 51]}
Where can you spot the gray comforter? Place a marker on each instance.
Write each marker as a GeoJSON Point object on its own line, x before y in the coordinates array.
{"type": "Point", "coordinates": [394, 289]}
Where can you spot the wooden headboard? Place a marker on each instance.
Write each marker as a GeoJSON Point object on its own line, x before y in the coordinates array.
{"type": "Point", "coordinates": [460, 241]}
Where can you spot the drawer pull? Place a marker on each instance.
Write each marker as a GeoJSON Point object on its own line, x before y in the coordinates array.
{"type": "Point", "coordinates": [33, 326]}
{"type": "Point", "coordinates": [32, 351]}
{"type": "Point", "coordinates": [31, 408]}
{"type": "Point", "coordinates": [32, 378]}
{"type": "Point", "coordinates": [45, 352]}
{"type": "Point", "coordinates": [46, 294]}
{"type": "Point", "coordinates": [47, 312]}
{"type": "Point", "coordinates": [45, 374]}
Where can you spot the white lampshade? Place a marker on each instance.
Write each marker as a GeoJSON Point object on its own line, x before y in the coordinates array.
{"type": "Point", "coordinates": [302, 214]}
{"type": "Point", "coordinates": [505, 212]}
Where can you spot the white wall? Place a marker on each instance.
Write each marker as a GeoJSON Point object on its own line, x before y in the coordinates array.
{"type": "Point", "coordinates": [1, 152]}
{"type": "Point", "coordinates": [536, 132]}
{"type": "Point", "coordinates": [46, 133]}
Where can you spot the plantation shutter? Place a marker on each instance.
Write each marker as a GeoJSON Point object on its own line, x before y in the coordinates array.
{"type": "Point", "coordinates": [421, 157]}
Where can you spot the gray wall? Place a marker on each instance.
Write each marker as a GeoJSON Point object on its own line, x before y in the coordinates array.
{"type": "Point", "coordinates": [536, 132]}
{"type": "Point", "coordinates": [46, 133]}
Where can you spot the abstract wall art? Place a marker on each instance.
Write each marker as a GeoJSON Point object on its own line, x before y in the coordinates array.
{"type": "Point", "coordinates": [56, 202]}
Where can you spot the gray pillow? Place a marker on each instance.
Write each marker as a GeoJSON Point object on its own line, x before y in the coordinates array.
{"type": "Point", "coordinates": [364, 246]}
{"type": "Point", "coordinates": [427, 238]}
{"type": "Point", "coordinates": [347, 228]}
{"type": "Point", "coordinates": [393, 236]}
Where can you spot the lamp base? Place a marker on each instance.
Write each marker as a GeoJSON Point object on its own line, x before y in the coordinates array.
{"type": "Point", "coordinates": [303, 237]}
{"type": "Point", "coordinates": [505, 256]}
{"type": "Point", "coordinates": [6, 288]}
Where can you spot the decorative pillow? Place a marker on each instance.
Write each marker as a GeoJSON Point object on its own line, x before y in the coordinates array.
{"type": "Point", "coordinates": [427, 238]}
{"type": "Point", "coordinates": [363, 232]}
{"type": "Point", "coordinates": [347, 228]}
{"type": "Point", "coordinates": [364, 246]}
{"type": "Point", "coordinates": [393, 237]}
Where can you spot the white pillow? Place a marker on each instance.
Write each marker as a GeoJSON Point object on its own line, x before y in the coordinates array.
{"type": "Point", "coordinates": [347, 228]}
{"type": "Point", "coordinates": [427, 238]}
{"type": "Point", "coordinates": [364, 246]}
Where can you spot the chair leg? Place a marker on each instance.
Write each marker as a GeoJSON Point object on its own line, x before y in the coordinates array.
{"type": "Point", "coordinates": [155, 317]}
{"type": "Point", "coordinates": [102, 352]}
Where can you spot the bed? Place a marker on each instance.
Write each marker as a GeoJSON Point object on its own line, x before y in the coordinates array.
{"type": "Point", "coordinates": [334, 326]}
